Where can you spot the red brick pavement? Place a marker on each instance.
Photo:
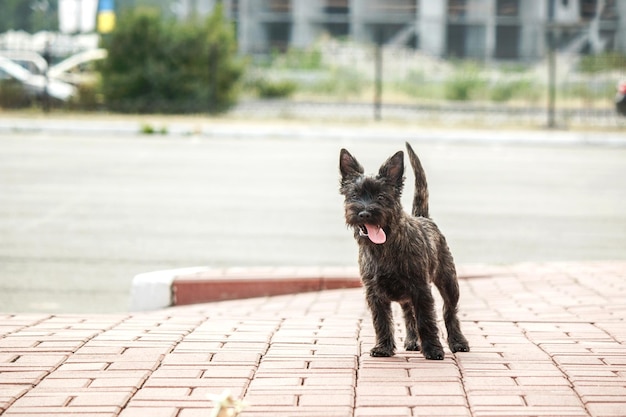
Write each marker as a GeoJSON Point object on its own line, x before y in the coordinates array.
{"type": "Point", "coordinates": [547, 340]}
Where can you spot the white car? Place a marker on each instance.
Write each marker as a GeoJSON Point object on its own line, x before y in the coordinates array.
{"type": "Point", "coordinates": [62, 78]}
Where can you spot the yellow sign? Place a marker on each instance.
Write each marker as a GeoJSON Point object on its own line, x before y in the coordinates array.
{"type": "Point", "coordinates": [106, 22]}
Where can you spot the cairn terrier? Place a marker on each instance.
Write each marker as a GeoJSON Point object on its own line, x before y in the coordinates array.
{"type": "Point", "coordinates": [400, 255]}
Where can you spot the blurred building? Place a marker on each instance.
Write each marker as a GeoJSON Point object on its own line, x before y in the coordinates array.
{"type": "Point", "coordinates": [481, 29]}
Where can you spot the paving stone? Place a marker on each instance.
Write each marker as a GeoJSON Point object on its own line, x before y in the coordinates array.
{"type": "Point", "coordinates": [411, 401]}
{"type": "Point", "coordinates": [546, 339]}
{"type": "Point", "coordinates": [377, 412]}
{"type": "Point", "coordinates": [494, 399]}
{"type": "Point", "coordinates": [153, 412]}
{"type": "Point", "coordinates": [526, 411]}
{"type": "Point", "coordinates": [62, 411]}
{"type": "Point", "coordinates": [550, 399]}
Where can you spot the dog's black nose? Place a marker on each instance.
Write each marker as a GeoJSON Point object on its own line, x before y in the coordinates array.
{"type": "Point", "coordinates": [365, 215]}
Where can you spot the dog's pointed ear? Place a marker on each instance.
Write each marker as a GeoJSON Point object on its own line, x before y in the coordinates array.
{"type": "Point", "coordinates": [393, 169]}
{"type": "Point", "coordinates": [349, 166]}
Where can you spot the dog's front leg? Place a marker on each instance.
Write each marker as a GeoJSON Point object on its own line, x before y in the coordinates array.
{"type": "Point", "coordinates": [383, 326]}
{"type": "Point", "coordinates": [427, 324]}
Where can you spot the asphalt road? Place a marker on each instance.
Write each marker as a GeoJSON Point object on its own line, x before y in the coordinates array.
{"type": "Point", "coordinates": [80, 216]}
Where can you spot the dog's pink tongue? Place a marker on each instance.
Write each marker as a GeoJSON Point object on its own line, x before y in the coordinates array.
{"type": "Point", "coordinates": [376, 234]}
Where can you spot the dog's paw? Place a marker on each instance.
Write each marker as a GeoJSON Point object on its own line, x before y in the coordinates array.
{"type": "Point", "coordinates": [412, 345]}
{"type": "Point", "coordinates": [381, 352]}
{"type": "Point", "coordinates": [433, 351]}
{"type": "Point", "coordinates": [459, 346]}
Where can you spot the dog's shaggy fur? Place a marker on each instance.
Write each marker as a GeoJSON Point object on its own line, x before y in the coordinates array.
{"type": "Point", "coordinates": [400, 255]}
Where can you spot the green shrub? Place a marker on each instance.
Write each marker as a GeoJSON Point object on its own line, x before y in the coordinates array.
{"type": "Point", "coordinates": [297, 58]}
{"type": "Point", "coordinates": [13, 95]}
{"type": "Point", "coordinates": [148, 129]}
{"type": "Point", "coordinates": [502, 91]}
{"type": "Point", "coordinates": [342, 82]}
{"type": "Point", "coordinates": [588, 91]}
{"type": "Point", "coordinates": [465, 83]}
{"type": "Point", "coordinates": [508, 90]}
{"type": "Point", "coordinates": [418, 84]}
{"type": "Point", "coordinates": [88, 97]}
{"type": "Point", "coordinates": [275, 89]}
{"type": "Point", "coordinates": [606, 61]}
{"type": "Point", "coordinates": [165, 66]}
{"type": "Point", "coordinates": [463, 87]}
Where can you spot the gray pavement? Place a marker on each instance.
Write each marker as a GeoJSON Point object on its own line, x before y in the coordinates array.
{"type": "Point", "coordinates": [84, 208]}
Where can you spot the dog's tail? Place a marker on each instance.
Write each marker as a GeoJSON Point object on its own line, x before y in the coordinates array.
{"type": "Point", "coordinates": [420, 198]}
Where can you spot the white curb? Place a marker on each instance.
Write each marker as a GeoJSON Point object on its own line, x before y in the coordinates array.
{"type": "Point", "coordinates": [153, 290]}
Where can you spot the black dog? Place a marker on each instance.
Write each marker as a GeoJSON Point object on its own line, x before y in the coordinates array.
{"type": "Point", "coordinates": [400, 255]}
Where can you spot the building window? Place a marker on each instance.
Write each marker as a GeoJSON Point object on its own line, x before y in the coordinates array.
{"type": "Point", "coordinates": [466, 41]}
{"type": "Point", "coordinates": [507, 29]}
{"type": "Point", "coordinates": [337, 30]}
{"type": "Point", "coordinates": [234, 8]}
{"type": "Point", "coordinates": [457, 8]}
{"type": "Point", "coordinates": [610, 11]}
{"type": "Point", "coordinates": [279, 35]}
{"type": "Point", "coordinates": [507, 42]}
{"type": "Point", "coordinates": [507, 8]}
{"type": "Point", "coordinates": [384, 32]}
{"type": "Point", "coordinates": [279, 6]}
{"type": "Point", "coordinates": [588, 9]}
{"type": "Point", "coordinates": [455, 42]}
{"type": "Point", "coordinates": [337, 7]}
{"type": "Point", "coordinates": [393, 6]}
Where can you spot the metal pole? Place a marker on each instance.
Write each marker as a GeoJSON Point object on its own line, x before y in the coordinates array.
{"type": "Point", "coordinates": [378, 75]}
{"type": "Point", "coordinates": [47, 56]}
{"type": "Point", "coordinates": [551, 67]}
{"type": "Point", "coordinates": [213, 58]}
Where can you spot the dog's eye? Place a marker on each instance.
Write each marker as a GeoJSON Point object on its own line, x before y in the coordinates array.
{"type": "Point", "coordinates": [381, 198]}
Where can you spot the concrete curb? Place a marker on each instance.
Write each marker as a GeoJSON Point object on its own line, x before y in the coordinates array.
{"type": "Point", "coordinates": [303, 130]}
{"type": "Point", "coordinates": [153, 290]}
{"type": "Point", "coordinates": [196, 285]}
{"type": "Point", "coordinates": [176, 287]}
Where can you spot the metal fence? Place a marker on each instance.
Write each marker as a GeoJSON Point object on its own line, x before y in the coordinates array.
{"type": "Point", "coordinates": [342, 80]}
